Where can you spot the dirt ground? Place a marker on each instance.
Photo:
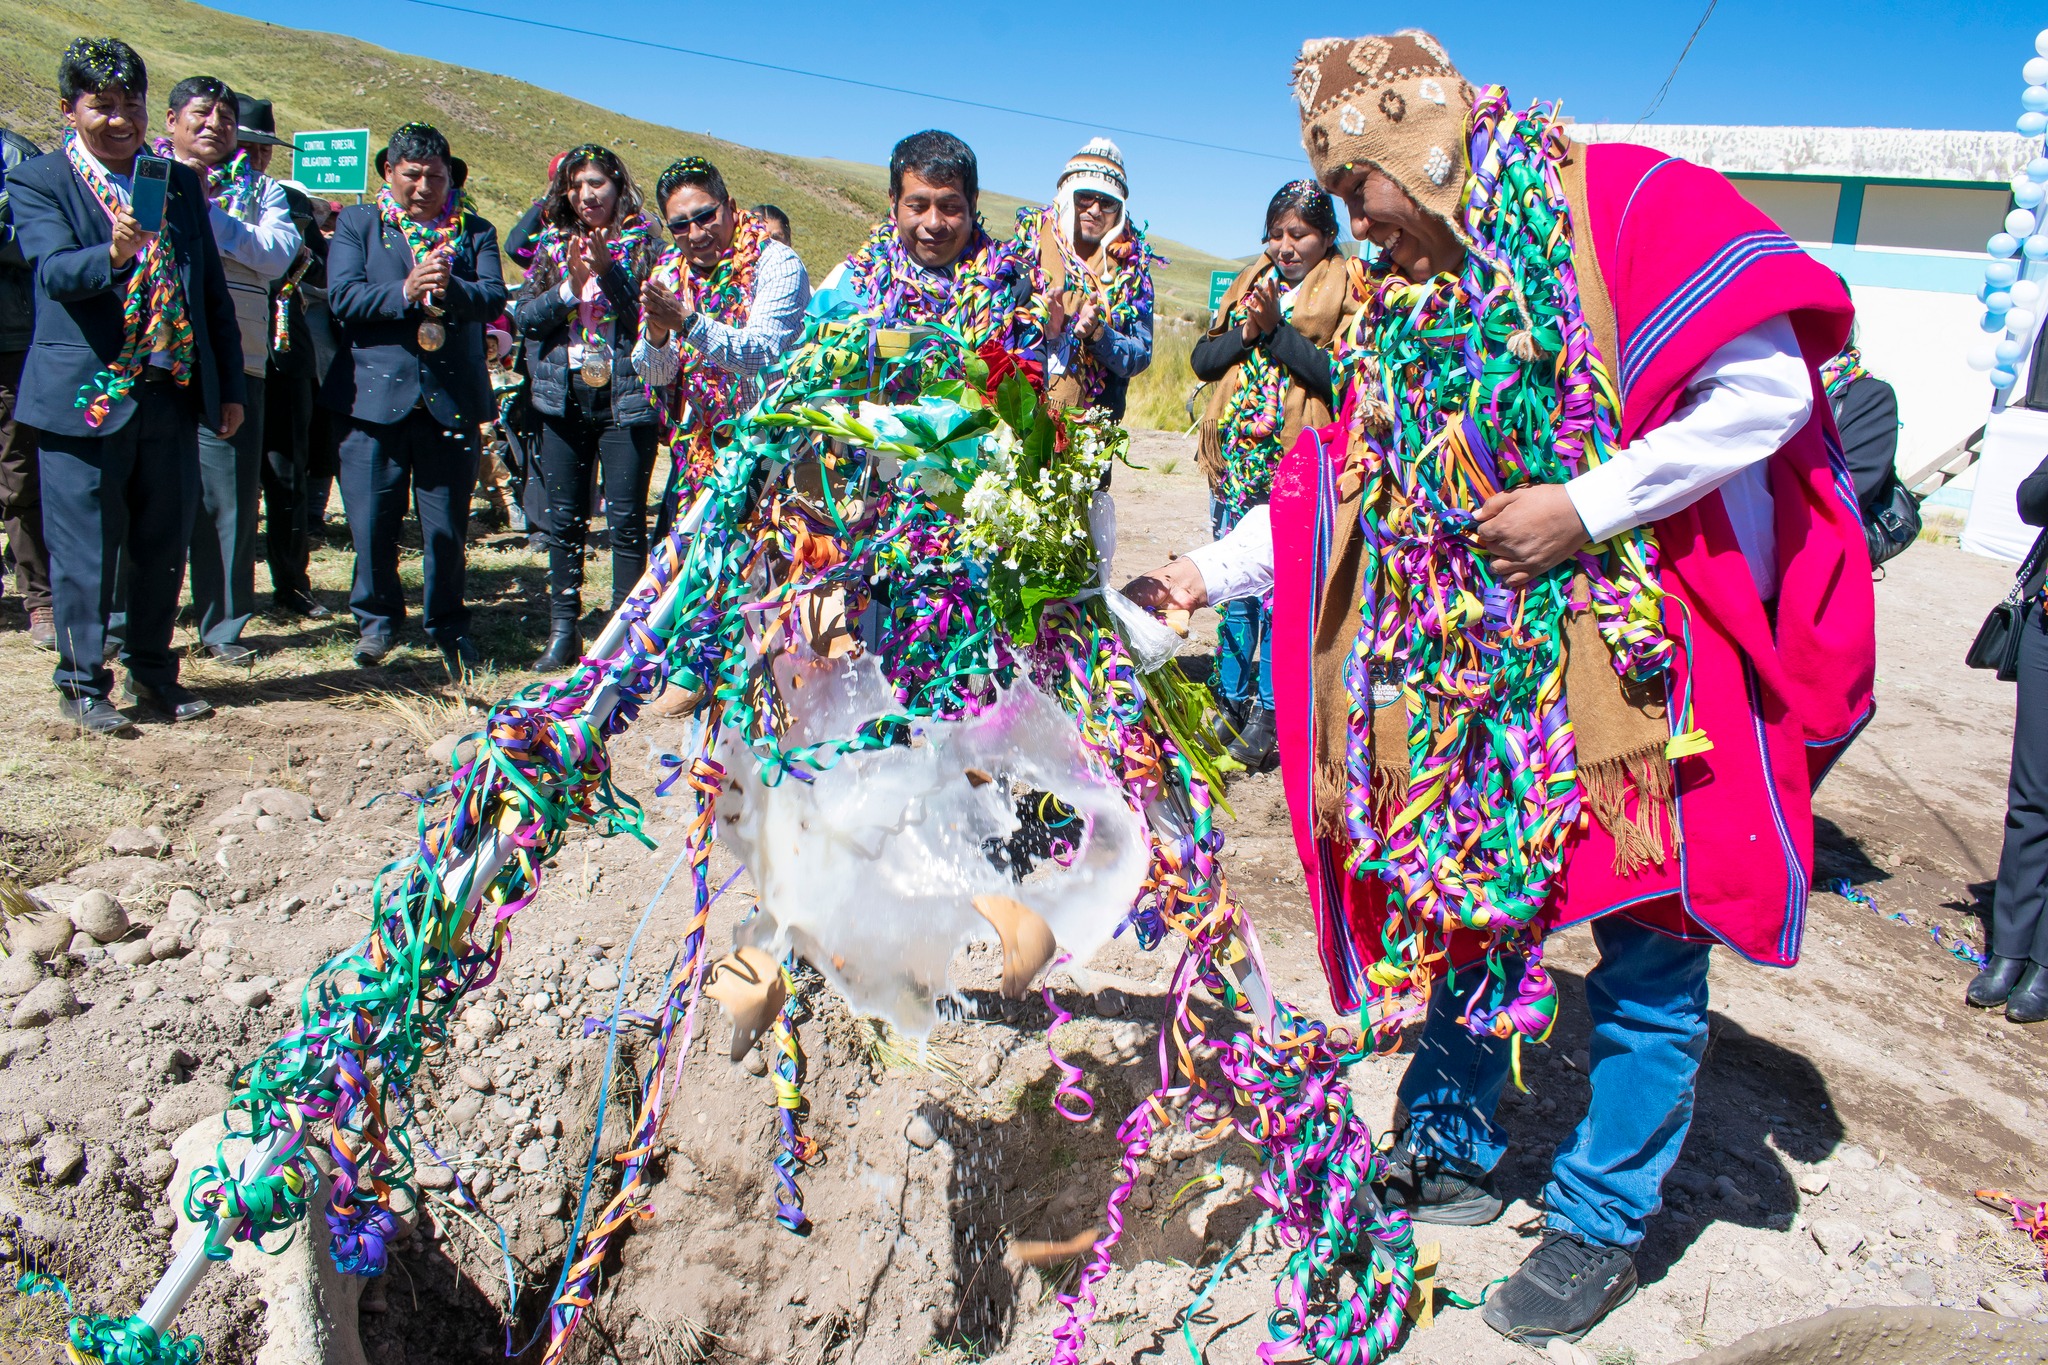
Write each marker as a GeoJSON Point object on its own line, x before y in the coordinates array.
{"type": "Point", "coordinates": [1854, 1101]}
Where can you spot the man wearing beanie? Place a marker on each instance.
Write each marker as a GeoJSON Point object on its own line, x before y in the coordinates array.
{"type": "Point", "coordinates": [1091, 281]}
{"type": "Point", "coordinates": [1571, 611]}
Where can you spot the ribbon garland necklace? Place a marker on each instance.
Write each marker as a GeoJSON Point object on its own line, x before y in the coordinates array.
{"type": "Point", "coordinates": [630, 248]}
{"type": "Point", "coordinates": [974, 300]}
{"type": "Point", "coordinates": [1470, 384]}
{"type": "Point", "coordinates": [154, 316]}
{"type": "Point", "coordinates": [447, 227]}
{"type": "Point", "coordinates": [705, 401]}
{"type": "Point", "coordinates": [1250, 426]}
{"type": "Point", "coordinates": [233, 186]}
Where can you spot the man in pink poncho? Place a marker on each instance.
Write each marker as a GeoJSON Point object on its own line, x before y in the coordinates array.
{"type": "Point", "coordinates": [1571, 611]}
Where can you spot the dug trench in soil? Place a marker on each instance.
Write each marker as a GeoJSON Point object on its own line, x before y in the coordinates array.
{"type": "Point", "coordinates": [1848, 1109]}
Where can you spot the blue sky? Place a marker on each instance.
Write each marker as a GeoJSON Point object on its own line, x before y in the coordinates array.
{"type": "Point", "coordinates": [1207, 71]}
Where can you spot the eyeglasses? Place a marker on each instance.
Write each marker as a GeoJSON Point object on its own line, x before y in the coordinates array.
{"type": "Point", "coordinates": [683, 222]}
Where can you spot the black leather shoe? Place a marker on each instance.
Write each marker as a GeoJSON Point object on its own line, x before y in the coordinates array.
{"type": "Point", "coordinates": [172, 702]}
{"type": "Point", "coordinates": [370, 651]}
{"type": "Point", "coordinates": [565, 648]}
{"type": "Point", "coordinates": [234, 652]}
{"type": "Point", "coordinates": [1255, 745]}
{"type": "Point", "coordinates": [461, 656]}
{"type": "Point", "coordinates": [1562, 1290]}
{"type": "Point", "coordinates": [1419, 1181]}
{"type": "Point", "coordinates": [292, 602]}
{"type": "Point", "coordinates": [1229, 721]}
{"type": "Point", "coordinates": [95, 714]}
{"type": "Point", "coordinates": [1989, 988]}
{"type": "Point", "coordinates": [2028, 1003]}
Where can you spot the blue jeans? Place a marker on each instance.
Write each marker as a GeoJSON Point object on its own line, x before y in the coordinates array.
{"type": "Point", "coordinates": [1648, 1002]}
{"type": "Point", "coordinates": [1242, 659]}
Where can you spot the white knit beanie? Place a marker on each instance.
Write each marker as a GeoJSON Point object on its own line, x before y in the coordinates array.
{"type": "Point", "coordinates": [1097, 167]}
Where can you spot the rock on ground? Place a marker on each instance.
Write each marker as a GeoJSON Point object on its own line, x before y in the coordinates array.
{"type": "Point", "coordinates": [310, 1307]}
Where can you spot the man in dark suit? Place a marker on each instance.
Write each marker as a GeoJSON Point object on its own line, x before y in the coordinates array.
{"type": "Point", "coordinates": [119, 414]}
{"type": "Point", "coordinates": [412, 279]}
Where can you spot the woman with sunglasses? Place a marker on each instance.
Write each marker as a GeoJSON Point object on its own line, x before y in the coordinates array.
{"type": "Point", "coordinates": [720, 308]}
{"type": "Point", "coordinates": [579, 313]}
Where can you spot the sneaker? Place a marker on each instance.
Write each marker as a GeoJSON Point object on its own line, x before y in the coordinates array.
{"type": "Point", "coordinates": [42, 628]}
{"type": "Point", "coordinates": [1256, 746]}
{"type": "Point", "coordinates": [1563, 1289]}
{"type": "Point", "coordinates": [1419, 1181]}
{"type": "Point", "coordinates": [95, 714]}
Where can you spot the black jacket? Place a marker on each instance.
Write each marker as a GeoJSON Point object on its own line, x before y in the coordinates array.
{"type": "Point", "coordinates": [17, 280]}
{"type": "Point", "coordinates": [545, 320]}
{"type": "Point", "coordinates": [1309, 363]}
{"type": "Point", "coordinates": [304, 355]}
{"type": "Point", "coordinates": [1867, 415]}
{"type": "Point", "coordinates": [79, 295]}
{"type": "Point", "coordinates": [519, 246]}
{"type": "Point", "coordinates": [381, 373]}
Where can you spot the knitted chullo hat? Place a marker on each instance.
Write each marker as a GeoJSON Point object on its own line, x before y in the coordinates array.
{"type": "Point", "coordinates": [1097, 168]}
{"type": "Point", "coordinates": [1393, 102]}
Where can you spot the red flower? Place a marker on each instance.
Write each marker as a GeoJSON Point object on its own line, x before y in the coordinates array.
{"type": "Point", "coordinates": [1002, 363]}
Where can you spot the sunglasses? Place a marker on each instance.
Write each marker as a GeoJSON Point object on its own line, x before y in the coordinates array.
{"type": "Point", "coordinates": [683, 222]}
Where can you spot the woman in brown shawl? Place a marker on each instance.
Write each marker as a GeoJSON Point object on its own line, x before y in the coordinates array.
{"type": "Point", "coordinates": [1269, 348]}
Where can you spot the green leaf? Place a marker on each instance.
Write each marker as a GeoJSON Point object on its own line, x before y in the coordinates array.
{"type": "Point", "coordinates": [1016, 404]}
{"type": "Point", "coordinates": [1037, 449]}
{"type": "Point", "coordinates": [977, 370]}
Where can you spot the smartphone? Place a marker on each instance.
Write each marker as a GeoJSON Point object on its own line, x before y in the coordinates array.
{"type": "Point", "coordinates": [152, 186]}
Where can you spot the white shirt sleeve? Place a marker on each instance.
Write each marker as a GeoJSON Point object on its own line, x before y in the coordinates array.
{"type": "Point", "coordinates": [269, 244]}
{"type": "Point", "coordinates": [776, 315]}
{"type": "Point", "coordinates": [1241, 563]}
{"type": "Point", "coordinates": [1738, 410]}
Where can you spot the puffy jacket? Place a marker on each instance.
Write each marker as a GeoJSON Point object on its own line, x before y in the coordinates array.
{"type": "Point", "coordinates": [545, 320]}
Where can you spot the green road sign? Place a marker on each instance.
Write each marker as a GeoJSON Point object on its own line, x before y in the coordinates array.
{"type": "Point", "coordinates": [1219, 285]}
{"type": "Point", "coordinates": [332, 162]}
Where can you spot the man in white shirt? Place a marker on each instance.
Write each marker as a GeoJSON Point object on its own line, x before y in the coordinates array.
{"type": "Point", "coordinates": [1620, 623]}
{"type": "Point", "coordinates": [252, 226]}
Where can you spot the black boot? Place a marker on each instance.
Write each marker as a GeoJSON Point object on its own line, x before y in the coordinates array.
{"type": "Point", "coordinates": [1229, 721]}
{"type": "Point", "coordinates": [2028, 1003]}
{"type": "Point", "coordinates": [1989, 988]}
{"type": "Point", "coordinates": [565, 647]}
{"type": "Point", "coordinates": [1255, 744]}
{"type": "Point", "coordinates": [565, 608]}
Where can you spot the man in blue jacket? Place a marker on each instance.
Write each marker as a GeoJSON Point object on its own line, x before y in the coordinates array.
{"type": "Point", "coordinates": [412, 279]}
{"type": "Point", "coordinates": [119, 396]}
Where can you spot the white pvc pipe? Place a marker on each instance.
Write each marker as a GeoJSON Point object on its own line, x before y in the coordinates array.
{"type": "Point", "coordinates": [471, 876]}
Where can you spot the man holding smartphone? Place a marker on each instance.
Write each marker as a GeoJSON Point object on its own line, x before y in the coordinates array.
{"type": "Point", "coordinates": [119, 393]}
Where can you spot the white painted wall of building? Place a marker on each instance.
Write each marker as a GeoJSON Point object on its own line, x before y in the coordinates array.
{"type": "Point", "coordinates": [1917, 342]}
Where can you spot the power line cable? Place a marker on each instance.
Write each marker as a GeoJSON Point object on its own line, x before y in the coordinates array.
{"type": "Point", "coordinates": [1657, 100]}
{"type": "Point", "coordinates": [854, 81]}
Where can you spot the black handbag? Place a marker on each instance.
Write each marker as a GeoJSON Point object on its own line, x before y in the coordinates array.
{"type": "Point", "coordinates": [1895, 525]}
{"type": "Point", "coordinates": [1997, 645]}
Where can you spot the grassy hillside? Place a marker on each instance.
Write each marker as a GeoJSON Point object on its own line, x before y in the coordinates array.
{"type": "Point", "coordinates": [505, 129]}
